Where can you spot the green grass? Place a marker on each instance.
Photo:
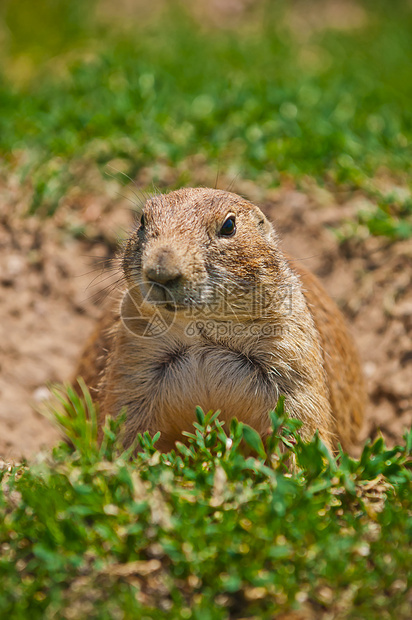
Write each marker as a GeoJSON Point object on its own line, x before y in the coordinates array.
{"type": "Point", "coordinates": [259, 99]}
{"type": "Point", "coordinates": [205, 531]}
{"type": "Point", "coordinates": [391, 218]}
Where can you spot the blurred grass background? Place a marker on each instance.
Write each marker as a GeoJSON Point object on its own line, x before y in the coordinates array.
{"type": "Point", "coordinates": [267, 90]}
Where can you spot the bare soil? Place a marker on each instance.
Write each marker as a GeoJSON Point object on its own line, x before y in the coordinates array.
{"type": "Point", "coordinates": [53, 285]}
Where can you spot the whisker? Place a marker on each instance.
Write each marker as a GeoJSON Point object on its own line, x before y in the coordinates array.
{"type": "Point", "coordinates": [102, 294]}
{"type": "Point", "coordinates": [231, 184]}
{"type": "Point", "coordinates": [130, 200]}
{"type": "Point", "coordinates": [217, 177]}
{"type": "Point", "coordinates": [92, 283]}
{"type": "Point", "coordinates": [97, 258]}
{"type": "Point", "coordinates": [87, 273]}
{"type": "Point", "coordinates": [140, 199]}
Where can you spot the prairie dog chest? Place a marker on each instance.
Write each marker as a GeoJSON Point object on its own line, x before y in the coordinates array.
{"type": "Point", "coordinates": [180, 374]}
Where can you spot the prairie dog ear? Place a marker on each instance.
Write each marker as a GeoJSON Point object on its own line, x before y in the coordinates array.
{"type": "Point", "coordinates": [265, 226]}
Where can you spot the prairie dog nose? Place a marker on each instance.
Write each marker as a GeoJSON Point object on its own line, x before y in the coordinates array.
{"type": "Point", "coordinates": [163, 267]}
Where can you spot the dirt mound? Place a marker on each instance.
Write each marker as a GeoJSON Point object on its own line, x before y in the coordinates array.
{"type": "Point", "coordinates": [48, 305]}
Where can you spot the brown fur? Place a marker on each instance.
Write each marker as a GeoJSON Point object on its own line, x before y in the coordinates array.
{"type": "Point", "coordinates": [247, 324]}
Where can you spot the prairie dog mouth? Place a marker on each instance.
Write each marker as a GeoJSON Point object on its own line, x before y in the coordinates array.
{"type": "Point", "coordinates": [169, 297]}
{"type": "Point", "coordinates": [204, 300]}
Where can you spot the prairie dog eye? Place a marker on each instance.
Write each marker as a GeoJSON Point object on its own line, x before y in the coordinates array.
{"type": "Point", "coordinates": [228, 228]}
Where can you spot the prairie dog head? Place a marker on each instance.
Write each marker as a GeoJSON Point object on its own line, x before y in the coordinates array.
{"type": "Point", "coordinates": [203, 250]}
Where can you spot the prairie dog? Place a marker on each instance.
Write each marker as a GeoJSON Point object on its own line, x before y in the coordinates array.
{"type": "Point", "coordinates": [214, 314]}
